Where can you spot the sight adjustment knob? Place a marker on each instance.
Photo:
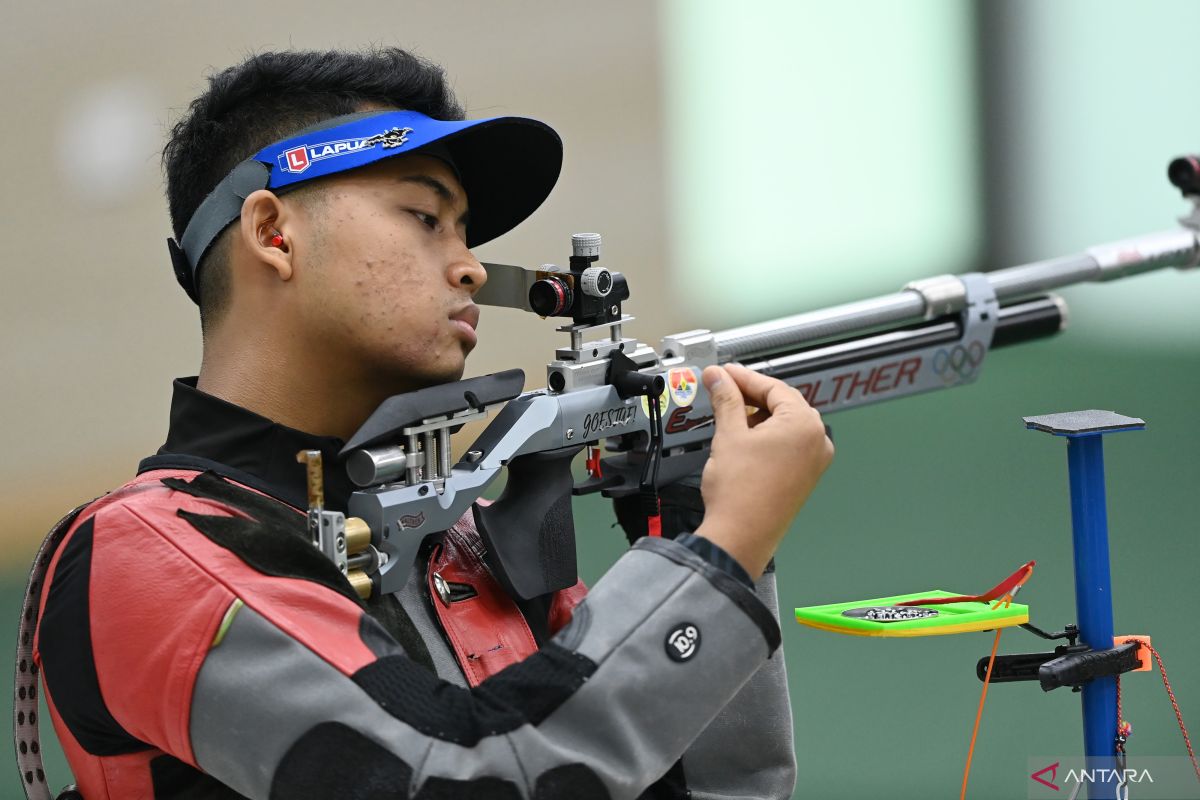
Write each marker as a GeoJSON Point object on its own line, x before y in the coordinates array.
{"type": "Point", "coordinates": [596, 282]}
{"type": "Point", "coordinates": [585, 245]}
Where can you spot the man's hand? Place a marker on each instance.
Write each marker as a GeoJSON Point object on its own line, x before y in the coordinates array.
{"type": "Point", "coordinates": [762, 467]}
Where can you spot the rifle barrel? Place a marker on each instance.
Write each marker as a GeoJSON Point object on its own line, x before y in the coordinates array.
{"type": "Point", "coordinates": [1173, 248]}
{"type": "Point", "coordinates": [893, 310]}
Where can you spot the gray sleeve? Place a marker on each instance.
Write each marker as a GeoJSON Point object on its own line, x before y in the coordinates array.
{"type": "Point", "coordinates": [662, 643]}
{"type": "Point", "coordinates": [748, 750]}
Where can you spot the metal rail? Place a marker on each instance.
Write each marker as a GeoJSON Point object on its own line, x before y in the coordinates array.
{"type": "Point", "coordinates": [923, 300]}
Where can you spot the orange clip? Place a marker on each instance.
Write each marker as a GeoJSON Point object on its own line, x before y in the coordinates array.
{"type": "Point", "coordinates": [1145, 662]}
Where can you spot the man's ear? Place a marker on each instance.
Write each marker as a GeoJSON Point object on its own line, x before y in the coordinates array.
{"type": "Point", "coordinates": [263, 231]}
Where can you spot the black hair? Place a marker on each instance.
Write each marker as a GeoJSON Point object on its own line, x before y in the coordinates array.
{"type": "Point", "coordinates": [268, 97]}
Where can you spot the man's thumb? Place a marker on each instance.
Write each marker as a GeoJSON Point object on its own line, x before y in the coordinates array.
{"type": "Point", "coordinates": [729, 407]}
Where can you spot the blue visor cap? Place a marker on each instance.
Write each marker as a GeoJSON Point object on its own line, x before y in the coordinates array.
{"type": "Point", "coordinates": [507, 165]}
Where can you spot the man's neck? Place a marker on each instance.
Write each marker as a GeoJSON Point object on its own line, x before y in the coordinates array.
{"type": "Point", "coordinates": [294, 392]}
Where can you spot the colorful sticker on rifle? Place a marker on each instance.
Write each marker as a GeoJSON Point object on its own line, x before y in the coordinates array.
{"type": "Point", "coordinates": [664, 403]}
{"type": "Point", "coordinates": [683, 385]}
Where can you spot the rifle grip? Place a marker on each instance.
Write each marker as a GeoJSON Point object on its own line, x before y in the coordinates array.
{"type": "Point", "coordinates": [529, 531]}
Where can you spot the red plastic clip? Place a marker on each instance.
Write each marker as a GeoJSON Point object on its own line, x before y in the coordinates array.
{"type": "Point", "coordinates": [593, 462]}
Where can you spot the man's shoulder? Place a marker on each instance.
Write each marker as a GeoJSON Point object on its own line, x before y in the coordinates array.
{"type": "Point", "coordinates": [146, 503]}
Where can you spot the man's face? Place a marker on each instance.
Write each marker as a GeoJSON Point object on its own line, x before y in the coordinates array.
{"type": "Point", "coordinates": [387, 276]}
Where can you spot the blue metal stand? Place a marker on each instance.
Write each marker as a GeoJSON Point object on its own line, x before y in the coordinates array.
{"type": "Point", "coordinates": [1084, 431]}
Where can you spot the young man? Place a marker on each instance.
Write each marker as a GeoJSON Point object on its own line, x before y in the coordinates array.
{"type": "Point", "coordinates": [193, 643]}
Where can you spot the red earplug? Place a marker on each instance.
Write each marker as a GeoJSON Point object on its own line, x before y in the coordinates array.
{"type": "Point", "coordinates": [277, 239]}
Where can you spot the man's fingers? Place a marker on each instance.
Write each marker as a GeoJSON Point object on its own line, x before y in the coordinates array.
{"type": "Point", "coordinates": [762, 392]}
{"type": "Point", "coordinates": [729, 408]}
{"type": "Point", "coordinates": [758, 417]}
{"type": "Point", "coordinates": [733, 387]}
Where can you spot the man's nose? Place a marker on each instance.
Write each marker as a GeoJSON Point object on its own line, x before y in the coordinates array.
{"type": "Point", "coordinates": [467, 272]}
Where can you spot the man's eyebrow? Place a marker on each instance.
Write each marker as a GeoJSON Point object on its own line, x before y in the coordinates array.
{"type": "Point", "coordinates": [440, 189]}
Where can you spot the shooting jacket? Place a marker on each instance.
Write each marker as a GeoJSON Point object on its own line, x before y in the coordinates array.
{"type": "Point", "coordinates": [192, 643]}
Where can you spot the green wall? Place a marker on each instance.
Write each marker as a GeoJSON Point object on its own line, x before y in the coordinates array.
{"type": "Point", "coordinates": [949, 491]}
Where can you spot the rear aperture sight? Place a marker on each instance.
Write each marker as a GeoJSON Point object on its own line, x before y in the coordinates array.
{"type": "Point", "coordinates": [551, 296]}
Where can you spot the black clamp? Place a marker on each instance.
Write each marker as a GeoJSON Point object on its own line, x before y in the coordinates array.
{"type": "Point", "coordinates": [629, 381]}
{"type": "Point", "coordinates": [1071, 664]}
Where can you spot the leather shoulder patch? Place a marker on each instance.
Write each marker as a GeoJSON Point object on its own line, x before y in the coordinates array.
{"type": "Point", "coordinates": [268, 535]}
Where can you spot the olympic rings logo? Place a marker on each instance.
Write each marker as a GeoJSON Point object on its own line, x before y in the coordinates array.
{"type": "Point", "coordinates": [958, 363]}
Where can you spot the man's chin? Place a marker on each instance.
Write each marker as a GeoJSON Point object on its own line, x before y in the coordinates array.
{"type": "Point", "coordinates": [394, 377]}
{"type": "Point", "coordinates": [424, 380]}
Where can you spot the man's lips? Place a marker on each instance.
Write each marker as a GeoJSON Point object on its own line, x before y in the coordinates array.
{"type": "Point", "coordinates": [467, 320]}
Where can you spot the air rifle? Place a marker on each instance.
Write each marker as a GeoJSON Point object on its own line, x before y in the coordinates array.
{"type": "Point", "coordinates": [648, 408]}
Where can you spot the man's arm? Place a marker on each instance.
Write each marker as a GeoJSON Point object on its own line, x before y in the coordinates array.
{"type": "Point", "coordinates": [748, 750]}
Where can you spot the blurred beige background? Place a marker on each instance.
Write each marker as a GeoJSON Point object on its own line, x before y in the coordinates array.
{"type": "Point", "coordinates": [93, 325]}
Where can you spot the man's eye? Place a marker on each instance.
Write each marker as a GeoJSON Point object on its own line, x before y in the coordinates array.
{"type": "Point", "coordinates": [428, 220]}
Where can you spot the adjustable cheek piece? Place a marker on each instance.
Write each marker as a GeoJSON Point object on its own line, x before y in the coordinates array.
{"type": "Point", "coordinates": [507, 166]}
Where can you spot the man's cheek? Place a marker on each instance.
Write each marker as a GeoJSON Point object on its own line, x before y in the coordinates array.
{"type": "Point", "coordinates": [418, 342]}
